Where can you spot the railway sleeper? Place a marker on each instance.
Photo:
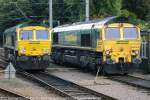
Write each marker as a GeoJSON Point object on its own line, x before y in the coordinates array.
{"type": "Point", "coordinates": [78, 91]}
{"type": "Point", "coordinates": [78, 94]}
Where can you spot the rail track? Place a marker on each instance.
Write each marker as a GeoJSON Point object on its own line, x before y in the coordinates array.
{"type": "Point", "coordinates": [131, 80]}
{"type": "Point", "coordinates": [65, 88]}
{"type": "Point", "coordinates": [10, 95]}
{"type": "Point", "coordinates": [3, 62]}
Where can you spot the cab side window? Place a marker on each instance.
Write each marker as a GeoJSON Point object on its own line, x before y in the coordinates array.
{"type": "Point", "coordinates": [86, 39]}
{"type": "Point", "coordinates": [12, 40]}
{"type": "Point", "coordinates": [100, 34]}
{"type": "Point", "coordinates": [55, 38]}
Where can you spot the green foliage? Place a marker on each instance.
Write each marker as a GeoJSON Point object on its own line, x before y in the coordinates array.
{"type": "Point", "coordinates": [127, 13]}
{"type": "Point", "coordinates": [144, 25]}
{"type": "Point", "coordinates": [66, 11]}
{"type": "Point", "coordinates": [39, 7]}
{"type": "Point", "coordinates": [10, 15]}
{"type": "Point", "coordinates": [104, 8]}
{"type": "Point", "coordinates": [74, 10]}
{"type": "Point", "coordinates": [140, 7]}
{"type": "Point", "coordinates": [148, 18]}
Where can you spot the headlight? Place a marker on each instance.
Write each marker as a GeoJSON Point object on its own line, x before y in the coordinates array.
{"type": "Point", "coordinates": [23, 51]}
{"type": "Point", "coordinates": [107, 52]}
{"type": "Point", "coordinates": [46, 51]}
{"type": "Point", "coordinates": [136, 51]}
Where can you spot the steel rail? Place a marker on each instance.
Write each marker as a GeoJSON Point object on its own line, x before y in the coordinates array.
{"type": "Point", "coordinates": [65, 88]}
{"type": "Point", "coordinates": [12, 94]}
{"type": "Point", "coordinates": [131, 80]}
{"type": "Point", "coordinates": [3, 62]}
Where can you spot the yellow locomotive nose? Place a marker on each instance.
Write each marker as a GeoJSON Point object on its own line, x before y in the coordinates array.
{"type": "Point", "coordinates": [121, 51]}
{"type": "Point", "coordinates": [118, 56]}
{"type": "Point", "coordinates": [34, 49]}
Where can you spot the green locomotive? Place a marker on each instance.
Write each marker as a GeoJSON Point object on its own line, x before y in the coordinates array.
{"type": "Point", "coordinates": [111, 44]}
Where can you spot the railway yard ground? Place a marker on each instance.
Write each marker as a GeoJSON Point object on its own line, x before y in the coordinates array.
{"type": "Point", "coordinates": [102, 84]}
{"type": "Point", "coordinates": [75, 50]}
{"type": "Point", "coordinates": [26, 88]}
{"type": "Point", "coordinates": [140, 75]}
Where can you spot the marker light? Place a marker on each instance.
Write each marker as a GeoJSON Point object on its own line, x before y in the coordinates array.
{"type": "Point", "coordinates": [23, 51]}
{"type": "Point", "coordinates": [108, 52]}
{"type": "Point", "coordinates": [136, 51]}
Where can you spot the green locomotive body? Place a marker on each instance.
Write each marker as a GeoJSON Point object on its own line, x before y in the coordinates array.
{"type": "Point", "coordinates": [111, 45]}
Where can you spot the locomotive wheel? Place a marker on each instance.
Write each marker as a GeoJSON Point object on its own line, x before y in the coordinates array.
{"type": "Point", "coordinates": [83, 66]}
{"type": "Point", "coordinates": [83, 62]}
{"type": "Point", "coordinates": [98, 69]}
{"type": "Point", "coordinates": [56, 61]}
{"type": "Point", "coordinates": [125, 73]}
{"type": "Point", "coordinates": [103, 71]}
{"type": "Point", "coordinates": [61, 63]}
{"type": "Point", "coordinates": [14, 60]}
{"type": "Point", "coordinates": [7, 54]}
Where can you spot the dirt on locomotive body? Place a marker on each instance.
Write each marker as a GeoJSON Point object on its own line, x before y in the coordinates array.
{"type": "Point", "coordinates": [28, 46]}
{"type": "Point", "coordinates": [111, 45]}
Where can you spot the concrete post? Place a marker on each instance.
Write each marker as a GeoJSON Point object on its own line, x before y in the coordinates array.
{"type": "Point", "coordinates": [50, 13]}
{"type": "Point", "coordinates": [149, 49]}
{"type": "Point", "coordinates": [87, 10]}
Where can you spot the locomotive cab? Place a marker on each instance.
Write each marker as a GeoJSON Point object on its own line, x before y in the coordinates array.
{"type": "Point", "coordinates": [28, 47]}
{"type": "Point", "coordinates": [33, 41]}
{"type": "Point", "coordinates": [121, 43]}
{"type": "Point", "coordinates": [121, 47]}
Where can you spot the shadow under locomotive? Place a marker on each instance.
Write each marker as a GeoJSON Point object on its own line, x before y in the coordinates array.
{"type": "Point", "coordinates": [33, 63]}
{"type": "Point", "coordinates": [88, 61]}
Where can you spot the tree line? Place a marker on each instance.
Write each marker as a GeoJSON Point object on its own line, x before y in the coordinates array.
{"type": "Point", "coordinates": [13, 12]}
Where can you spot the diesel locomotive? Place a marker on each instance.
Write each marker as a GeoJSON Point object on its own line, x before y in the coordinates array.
{"type": "Point", "coordinates": [111, 45]}
{"type": "Point", "coordinates": [28, 46]}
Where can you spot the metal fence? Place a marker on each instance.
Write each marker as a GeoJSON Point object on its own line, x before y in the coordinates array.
{"type": "Point", "coordinates": [144, 50]}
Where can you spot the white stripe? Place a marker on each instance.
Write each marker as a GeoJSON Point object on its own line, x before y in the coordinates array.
{"type": "Point", "coordinates": [73, 27]}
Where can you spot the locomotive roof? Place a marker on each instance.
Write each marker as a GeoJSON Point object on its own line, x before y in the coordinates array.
{"type": "Point", "coordinates": [145, 32]}
{"type": "Point", "coordinates": [12, 30]}
{"type": "Point", "coordinates": [91, 24]}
